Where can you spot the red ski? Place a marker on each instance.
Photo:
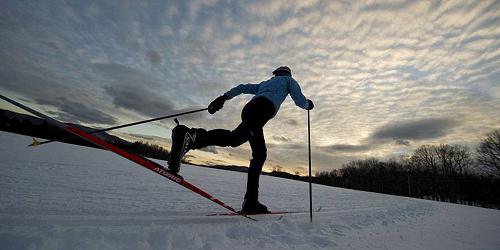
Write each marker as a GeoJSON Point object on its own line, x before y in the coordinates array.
{"type": "Point", "coordinates": [153, 166]}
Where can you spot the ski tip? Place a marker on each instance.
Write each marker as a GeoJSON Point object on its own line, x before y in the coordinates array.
{"type": "Point", "coordinates": [34, 143]}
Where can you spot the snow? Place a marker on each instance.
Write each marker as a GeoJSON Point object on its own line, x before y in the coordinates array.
{"type": "Point", "coordinates": [60, 196]}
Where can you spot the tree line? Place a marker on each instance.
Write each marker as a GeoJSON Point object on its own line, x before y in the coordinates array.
{"type": "Point", "coordinates": [450, 173]}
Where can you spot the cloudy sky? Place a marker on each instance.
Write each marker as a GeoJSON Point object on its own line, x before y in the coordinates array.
{"type": "Point", "coordinates": [385, 76]}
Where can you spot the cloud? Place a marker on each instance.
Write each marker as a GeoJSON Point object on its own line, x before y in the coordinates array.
{"type": "Point", "coordinates": [75, 111]}
{"type": "Point", "coordinates": [154, 57]}
{"type": "Point", "coordinates": [346, 148]}
{"type": "Point", "coordinates": [52, 44]}
{"type": "Point", "coordinates": [292, 122]}
{"type": "Point", "coordinates": [144, 93]}
{"type": "Point", "coordinates": [402, 142]}
{"type": "Point", "coordinates": [272, 9]}
{"type": "Point", "coordinates": [266, 8]}
{"type": "Point", "coordinates": [280, 138]}
{"type": "Point", "coordinates": [387, 6]}
{"type": "Point", "coordinates": [46, 89]}
{"type": "Point", "coordinates": [142, 101]}
{"type": "Point", "coordinates": [287, 146]}
{"type": "Point", "coordinates": [135, 90]}
{"type": "Point", "coordinates": [400, 133]}
{"type": "Point", "coordinates": [422, 129]}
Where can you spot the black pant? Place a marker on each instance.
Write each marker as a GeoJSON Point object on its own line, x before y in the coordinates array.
{"type": "Point", "coordinates": [254, 116]}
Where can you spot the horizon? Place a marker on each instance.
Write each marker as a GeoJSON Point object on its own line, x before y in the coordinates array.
{"type": "Point", "coordinates": [385, 76]}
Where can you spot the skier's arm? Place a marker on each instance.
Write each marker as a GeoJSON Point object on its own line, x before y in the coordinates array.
{"type": "Point", "coordinates": [297, 96]}
{"type": "Point", "coordinates": [248, 88]}
{"type": "Point", "coordinates": [218, 103]}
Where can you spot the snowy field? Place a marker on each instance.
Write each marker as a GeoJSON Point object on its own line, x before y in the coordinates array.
{"type": "Point", "coordinates": [61, 196]}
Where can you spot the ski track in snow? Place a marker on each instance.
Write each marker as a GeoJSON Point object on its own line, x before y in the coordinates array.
{"type": "Point", "coordinates": [61, 196]}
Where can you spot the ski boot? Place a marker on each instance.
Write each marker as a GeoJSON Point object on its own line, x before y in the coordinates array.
{"type": "Point", "coordinates": [253, 206]}
{"type": "Point", "coordinates": [181, 138]}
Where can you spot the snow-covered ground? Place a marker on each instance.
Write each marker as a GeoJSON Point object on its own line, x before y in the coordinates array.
{"type": "Point", "coordinates": [61, 196]}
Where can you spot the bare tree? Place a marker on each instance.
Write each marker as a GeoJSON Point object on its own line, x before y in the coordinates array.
{"type": "Point", "coordinates": [489, 153]}
{"type": "Point", "coordinates": [462, 159]}
{"type": "Point", "coordinates": [445, 154]}
{"type": "Point", "coordinates": [424, 158]}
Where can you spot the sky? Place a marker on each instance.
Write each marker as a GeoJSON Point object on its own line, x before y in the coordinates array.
{"type": "Point", "coordinates": [385, 76]}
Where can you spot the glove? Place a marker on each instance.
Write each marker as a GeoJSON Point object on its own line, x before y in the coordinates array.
{"type": "Point", "coordinates": [217, 104]}
{"type": "Point", "coordinates": [311, 104]}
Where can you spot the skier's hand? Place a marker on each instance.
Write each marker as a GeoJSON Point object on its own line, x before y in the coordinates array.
{"type": "Point", "coordinates": [217, 104]}
{"type": "Point", "coordinates": [311, 104]}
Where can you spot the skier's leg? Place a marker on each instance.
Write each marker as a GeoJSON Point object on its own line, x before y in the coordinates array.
{"type": "Point", "coordinates": [259, 155]}
{"type": "Point", "coordinates": [222, 137]}
{"type": "Point", "coordinates": [185, 139]}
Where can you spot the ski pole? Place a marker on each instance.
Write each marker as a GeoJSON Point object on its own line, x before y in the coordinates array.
{"type": "Point", "coordinates": [37, 143]}
{"type": "Point", "coordinates": [310, 178]}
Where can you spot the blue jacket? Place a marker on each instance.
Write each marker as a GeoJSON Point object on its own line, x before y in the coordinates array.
{"type": "Point", "coordinates": [275, 89]}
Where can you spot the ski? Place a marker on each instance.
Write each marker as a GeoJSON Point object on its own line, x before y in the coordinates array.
{"type": "Point", "coordinates": [270, 213]}
{"type": "Point", "coordinates": [236, 214]}
{"type": "Point", "coordinates": [153, 166]}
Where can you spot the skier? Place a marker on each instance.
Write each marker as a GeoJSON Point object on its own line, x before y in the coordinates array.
{"type": "Point", "coordinates": [269, 95]}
